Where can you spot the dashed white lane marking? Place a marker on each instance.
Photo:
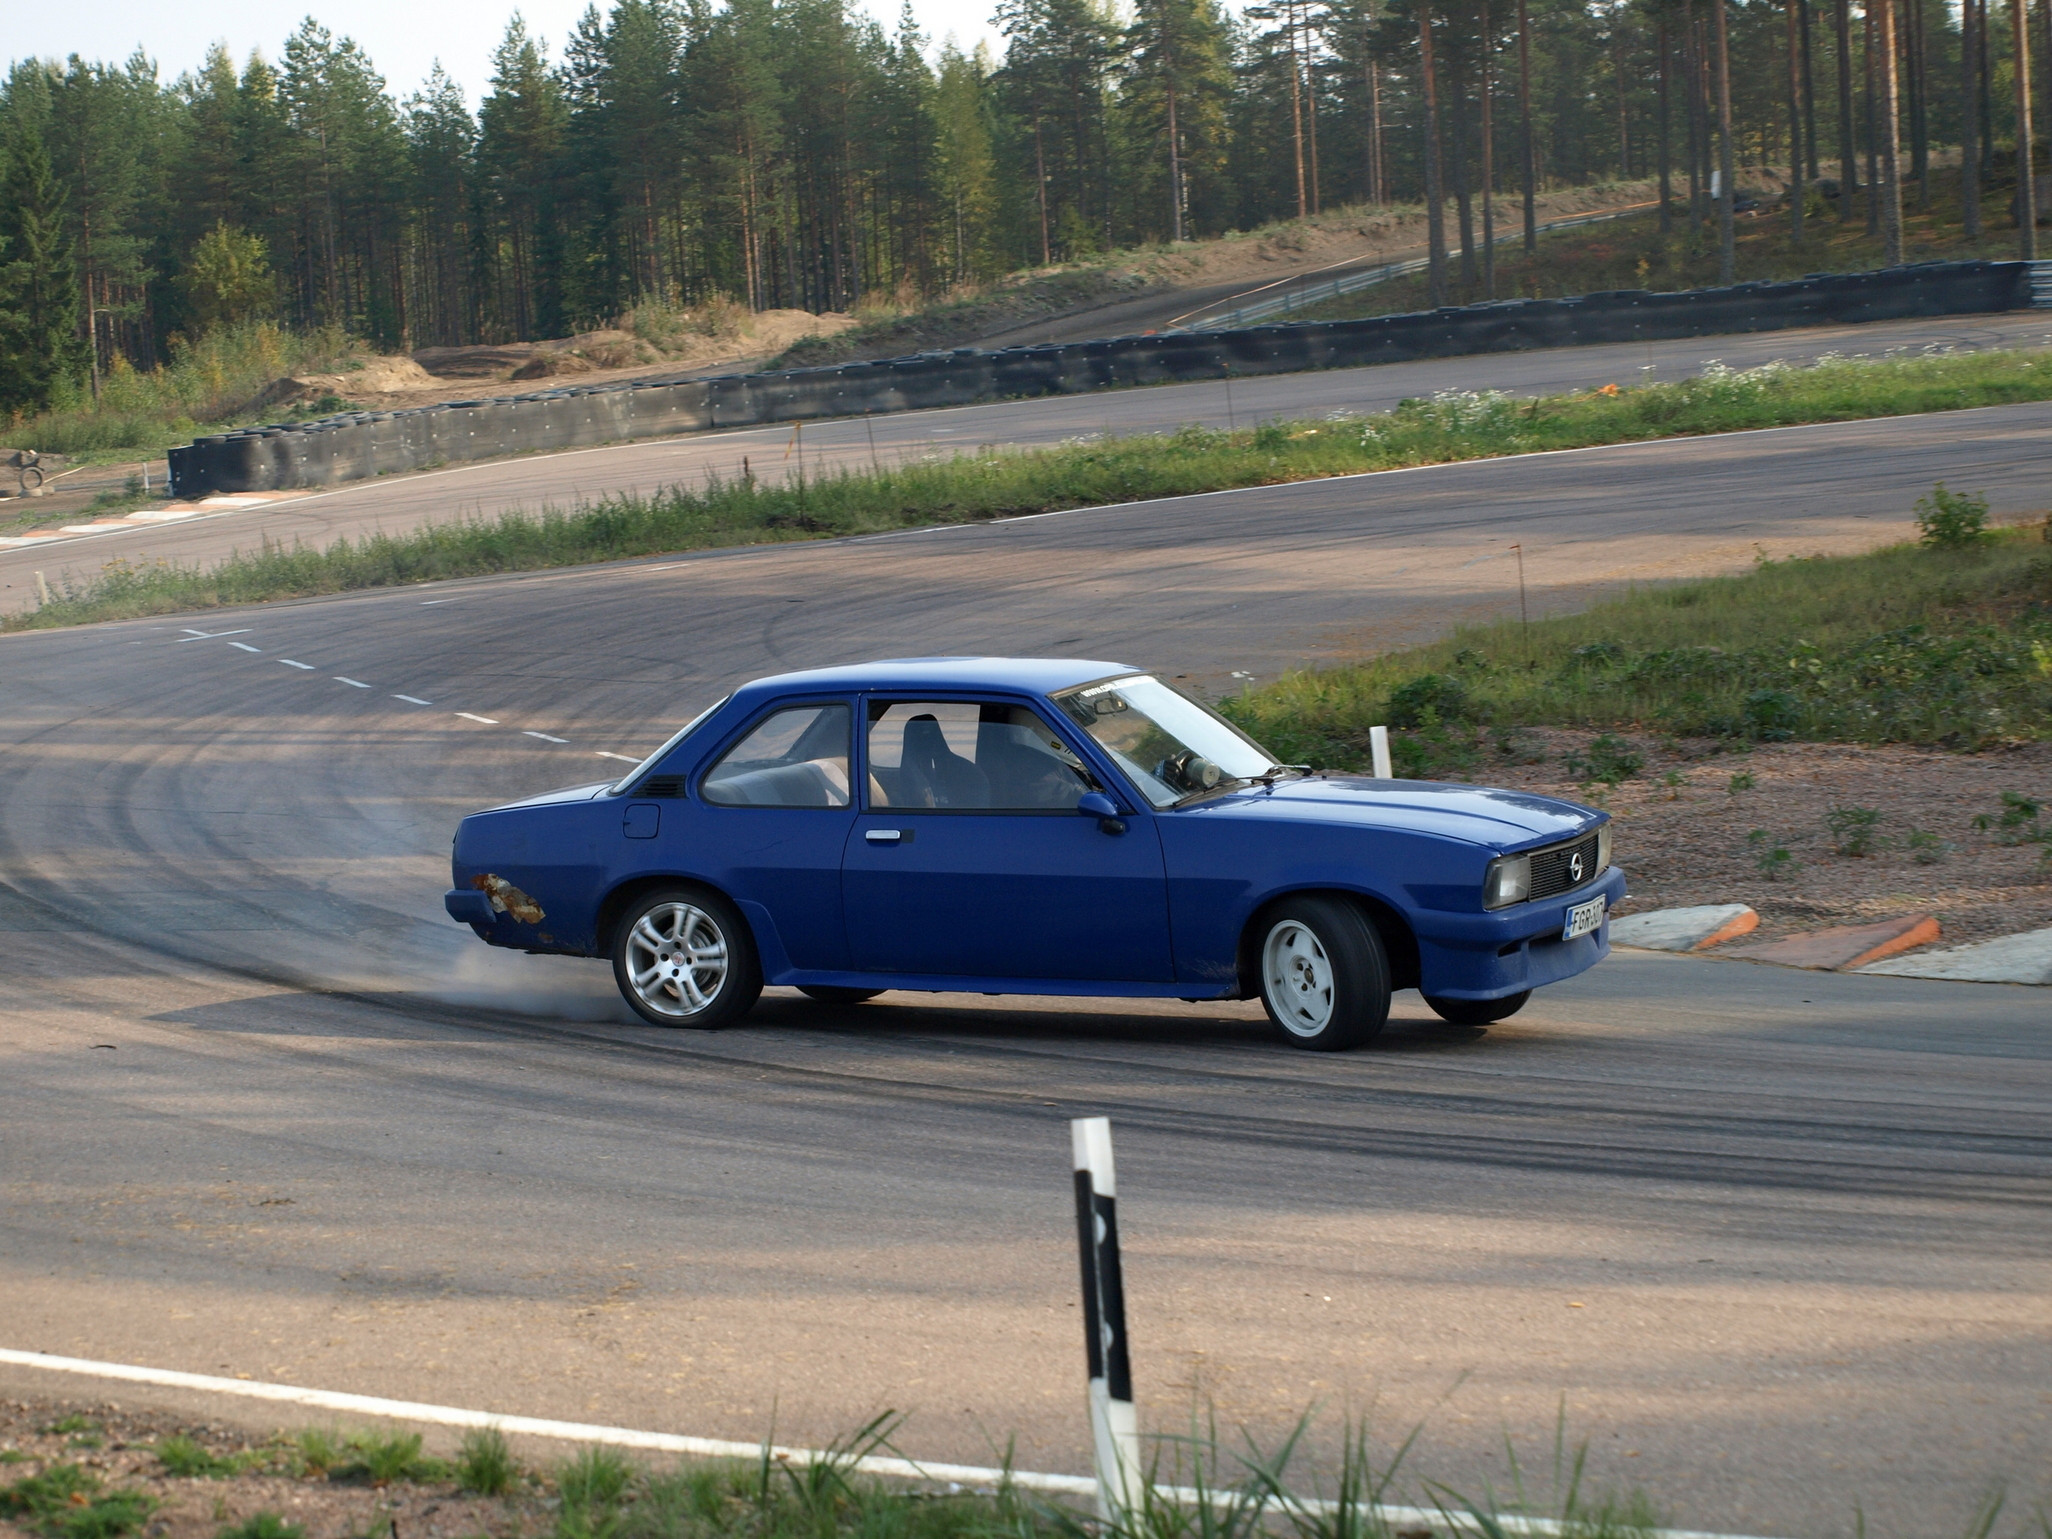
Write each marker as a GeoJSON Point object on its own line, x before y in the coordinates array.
{"type": "Point", "coordinates": [430, 603]}
{"type": "Point", "coordinates": [341, 678]}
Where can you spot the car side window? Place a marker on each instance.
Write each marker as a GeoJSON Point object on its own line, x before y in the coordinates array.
{"type": "Point", "coordinates": [963, 755]}
{"type": "Point", "coordinates": [795, 758]}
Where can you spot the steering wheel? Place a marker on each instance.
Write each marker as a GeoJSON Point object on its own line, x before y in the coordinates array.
{"type": "Point", "coordinates": [1189, 769]}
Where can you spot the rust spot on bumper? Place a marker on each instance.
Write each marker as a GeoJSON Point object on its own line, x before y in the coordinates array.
{"type": "Point", "coordinates": [508, 899]}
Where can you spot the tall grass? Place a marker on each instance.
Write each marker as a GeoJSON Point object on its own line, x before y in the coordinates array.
{"type": "Point", "coordinates": [1451, 426]}
{"type": "Point", "coordinates": [207, 383]}
{"type": "Point", "coordinates": [1911, 644]}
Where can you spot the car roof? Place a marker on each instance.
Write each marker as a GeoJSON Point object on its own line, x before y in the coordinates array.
{"type": "Point", "coordinates": [1033, 675]}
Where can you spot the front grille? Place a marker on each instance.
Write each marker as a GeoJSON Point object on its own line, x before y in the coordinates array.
{"type": "Point", "coordinates": [1553, 871]}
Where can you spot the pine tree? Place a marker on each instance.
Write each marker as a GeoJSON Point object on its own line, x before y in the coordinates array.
{"type": "Point", "coordinates": [41, 349]}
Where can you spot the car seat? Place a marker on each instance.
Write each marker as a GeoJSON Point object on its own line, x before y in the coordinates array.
{"type": "Point", "coordinates": [927, 765]}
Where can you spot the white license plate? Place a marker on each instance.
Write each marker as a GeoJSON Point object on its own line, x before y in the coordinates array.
{"type": "Point", "coordinates": [1583, 918]}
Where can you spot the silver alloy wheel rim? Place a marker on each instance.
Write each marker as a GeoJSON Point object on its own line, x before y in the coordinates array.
{"type": "Point", "coordinates": [1298, 977]}
{"type": "Point", "coordinates": [677, 960]}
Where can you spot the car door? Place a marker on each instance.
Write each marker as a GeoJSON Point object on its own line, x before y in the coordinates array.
{"type": "Point", "coordinates": [969, 859]}
{"type": "Point", "coordinates": [775, 818]}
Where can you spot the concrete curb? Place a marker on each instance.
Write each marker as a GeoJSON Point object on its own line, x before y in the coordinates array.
{"type": "Point", "coordinates": [2023, 958]}
{"type": "Point", "coordinates": [1842, 947]}
{"type": "Point", "coordinates": [1684, 929]}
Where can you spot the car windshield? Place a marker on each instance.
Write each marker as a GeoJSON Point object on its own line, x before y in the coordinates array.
{"type": "Point", "coordinates": [1171, 747]}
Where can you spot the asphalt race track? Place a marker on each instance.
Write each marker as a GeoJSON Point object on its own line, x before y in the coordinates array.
{"type": "Point", "coordinates": [398, 503]}
{"type": "Point", "coordinates": [1775, 1240]}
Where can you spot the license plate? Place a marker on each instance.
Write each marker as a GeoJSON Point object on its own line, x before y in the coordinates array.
{"type": "Point", "coordinates": [1583, 918]}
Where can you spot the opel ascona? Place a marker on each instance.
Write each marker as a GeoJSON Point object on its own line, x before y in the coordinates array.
{"type": "Point", "coordinates": [1026, 826]}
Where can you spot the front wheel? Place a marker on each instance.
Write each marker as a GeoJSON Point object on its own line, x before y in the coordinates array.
{"type": "Point", "coordinates": [684, 957]}
{"type": "Point", "coordinates": [1478, 1012]}
{"type": "Point", "coordinates": [1324, 976]}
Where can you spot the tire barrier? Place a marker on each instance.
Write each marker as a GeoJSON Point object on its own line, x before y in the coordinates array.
{"type": "Point", "coordinates": [355, 446]}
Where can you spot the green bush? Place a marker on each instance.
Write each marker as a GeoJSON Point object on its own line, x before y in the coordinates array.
{"type": "Point", "coordinates": [1853, 829]}
{"type": "Point", "coordinates": [65, 1502]}
{"type": "Point", "coordinates": [1952, 520]}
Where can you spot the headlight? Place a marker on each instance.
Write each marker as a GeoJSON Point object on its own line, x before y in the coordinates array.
{"type": "Point", "coordinates": [1509, 881]}
{"type": "Point", "coordinates": [1603, 848]}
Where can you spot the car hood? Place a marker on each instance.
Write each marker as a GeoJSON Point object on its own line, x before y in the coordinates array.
{"type": "Point", "coordinates": [1477, 814]}
{"type": "Point", "coordinates": [582, 793]}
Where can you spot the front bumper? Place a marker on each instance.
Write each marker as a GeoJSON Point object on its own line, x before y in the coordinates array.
{"type": "Point", "coordinates": [1494, 954]}
{"type": "Point", "coordinates": [468, 906]}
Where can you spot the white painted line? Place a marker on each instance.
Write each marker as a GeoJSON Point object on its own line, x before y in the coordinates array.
{"type": "Point", "coordinates": [243, 646]}
{"type": "Point", "coordinates": [413, 700]}
{"type": "Point", "coordinates": [193, 635]}
{"type": "Point", "coordinates": [430, 603]}
{"type": "Point", "coordinates": [714, 1448]}
{"type": "Point", "coordinates": [489, 721]}
{"type": "Point", "coordinates": [289, 663]}
{"type": "Point", "coordinates": [620, 756]}
{"type": "Point", "coordinates": [545, 737]}
{"type": "Point", "coordinates": [352, 683]}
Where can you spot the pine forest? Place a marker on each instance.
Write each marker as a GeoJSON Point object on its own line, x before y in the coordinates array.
{"type": "Point", "coordinates": [795, 154]}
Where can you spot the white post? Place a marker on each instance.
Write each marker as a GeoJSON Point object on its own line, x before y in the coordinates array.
{"type": "Point", "coordinates": [1114, 1428]}
{"type": "Point", "coordinates": [42, 590]}
{"type": "Point", "coordinates": [1378, 752]}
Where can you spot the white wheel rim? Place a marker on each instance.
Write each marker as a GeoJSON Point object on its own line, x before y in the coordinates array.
{"type": "Point", "coordinates": [1298, 977]}
{"type": "Point", "coordinates": [677, 960]}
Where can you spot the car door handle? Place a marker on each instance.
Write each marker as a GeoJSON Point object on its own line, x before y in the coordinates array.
{"type": "Point", "coordinates": [887, 835]}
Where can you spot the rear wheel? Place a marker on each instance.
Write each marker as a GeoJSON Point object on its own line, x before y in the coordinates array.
{"type": "Point", "coordinates": [683, 957]}
{"type": "Point", "coordinates": [1324, 976]}
{"type": "Point", "coordinates": [1478, 1012]}
{"type": "Point", "coordinates": [830, 994]}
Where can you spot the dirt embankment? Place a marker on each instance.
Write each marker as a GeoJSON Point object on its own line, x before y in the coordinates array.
{"type": "Point", "coordinates": [728, 343]}
{"type": "Point", "coordinates": [1150, 290]}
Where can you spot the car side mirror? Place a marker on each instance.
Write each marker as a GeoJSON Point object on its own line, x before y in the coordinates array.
{"type": "Point", "coordinates": [1095, 804]}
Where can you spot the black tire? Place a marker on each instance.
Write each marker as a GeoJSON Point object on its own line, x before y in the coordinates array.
{"type": "Point", "coordinates": [703, 918]}
{"type": "Point", "coordinates": [1322, 973]}
{"type": "Point", "coordinates": [1478, 1012]}
{"type": "Point", "coordinates": [830, 994]}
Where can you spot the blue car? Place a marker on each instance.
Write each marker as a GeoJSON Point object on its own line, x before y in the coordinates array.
{"type": "Point", "coordinates": [1025, 826]}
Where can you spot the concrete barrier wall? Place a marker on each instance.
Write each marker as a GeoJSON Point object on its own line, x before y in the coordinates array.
{"type": "Point", "coordinates": [360, 445]}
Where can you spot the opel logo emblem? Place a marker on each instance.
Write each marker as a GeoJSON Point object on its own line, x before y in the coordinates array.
{"type": "Point", "coordinates": [1575, 866]}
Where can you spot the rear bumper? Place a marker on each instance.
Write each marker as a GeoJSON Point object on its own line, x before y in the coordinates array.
{"type": "Point", "coordinates": [468, 906]}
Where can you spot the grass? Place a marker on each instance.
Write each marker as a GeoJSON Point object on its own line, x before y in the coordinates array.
{"type": "Point", "coordinates": [485, 1465]}
{"type": "Point", "coordinates": [1631, 253]}
{"type": "Point", "coordinates": [208, 386]}
{"type": "Point", "coordinates": [67, 1501]}
{"type": "Point", "coordinates": [985, 484]}
{"type": "Point", "coordinates": [1948, 646]}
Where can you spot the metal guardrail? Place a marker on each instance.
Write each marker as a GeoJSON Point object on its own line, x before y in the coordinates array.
{"type": "Point", "coordinates": [1350, 283]}
{"type": "Point", "coordinates": [2041, 285]}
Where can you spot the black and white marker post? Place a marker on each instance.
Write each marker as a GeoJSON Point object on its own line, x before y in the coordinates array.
{"type": "Point", "coordinates": [1114, 1429]}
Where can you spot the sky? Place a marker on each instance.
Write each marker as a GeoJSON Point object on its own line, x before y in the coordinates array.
{"type": "Point", "coordinates": [404, 38]}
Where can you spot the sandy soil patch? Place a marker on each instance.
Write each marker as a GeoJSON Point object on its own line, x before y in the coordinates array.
{"type": "Point", "coordinates": [1687, 826]}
